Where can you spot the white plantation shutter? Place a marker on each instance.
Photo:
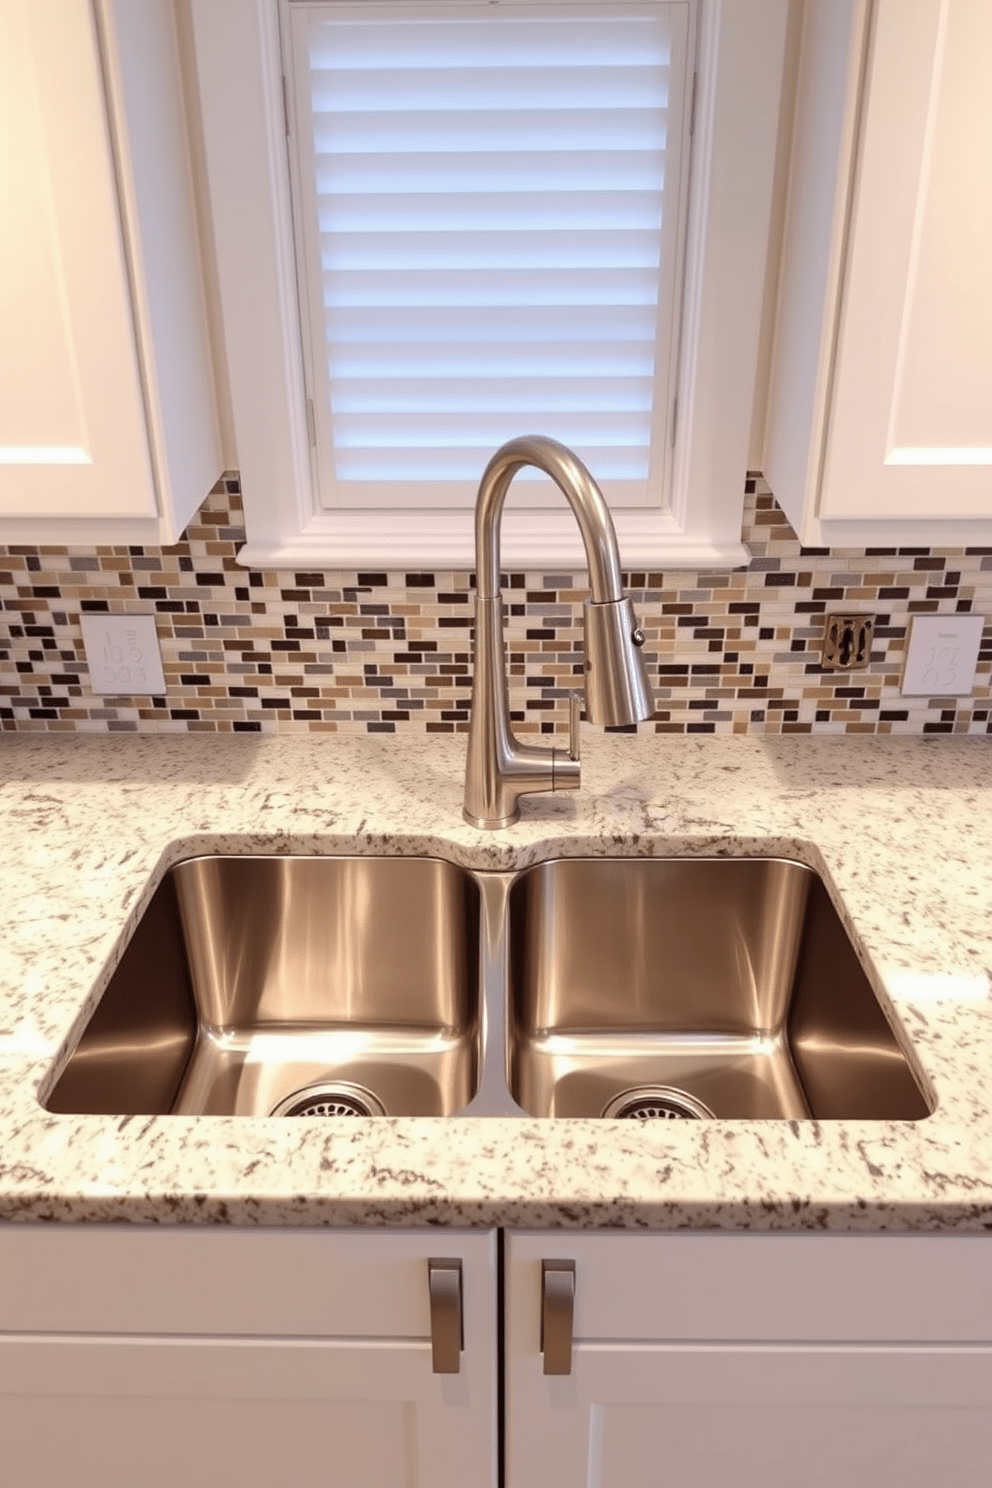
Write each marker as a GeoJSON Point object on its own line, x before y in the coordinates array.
{"type": "Point", "coordinates": [489, 200]}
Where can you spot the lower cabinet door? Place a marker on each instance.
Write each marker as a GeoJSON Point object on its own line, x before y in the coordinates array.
{"type": "Point", "coordinates": [734, 1416]}
{"type": "Point", "coordinates": [747, 1361]}
{"type": "Point", "coordinates": [121, 1412]}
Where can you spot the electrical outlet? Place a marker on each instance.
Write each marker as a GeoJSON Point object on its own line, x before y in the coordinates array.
{"type": "Point", "coordinates": [847, 642]}
{"type": "Point", "coordinates": [942, 655]}
{"type": "Point", "coordinates": [123, 655]}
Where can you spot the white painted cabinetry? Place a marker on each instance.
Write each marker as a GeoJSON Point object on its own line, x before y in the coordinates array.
{"type": "Point", "coordinates": [880, 409]}
{"type": "Point", "coordinates": [757, 1361]}
{"type": "Point", "coordinates": [158, 1357]}
{"type": "Point", "coordinates": [154, 1356]}
{"type": "Point", "coordinates": [108, 429]}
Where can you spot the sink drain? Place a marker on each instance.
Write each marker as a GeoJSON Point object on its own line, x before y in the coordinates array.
{"type": "Point", "coordinates": [340, 1099]}
{"type": "Point", "coordinates": [655, 1103]}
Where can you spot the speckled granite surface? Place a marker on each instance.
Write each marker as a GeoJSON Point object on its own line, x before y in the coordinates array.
{"type": "Point", "coordinates": [901, 829]}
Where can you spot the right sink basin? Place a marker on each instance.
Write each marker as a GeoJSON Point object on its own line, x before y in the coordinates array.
{"type": "Point", "coordinates": [692, 987]}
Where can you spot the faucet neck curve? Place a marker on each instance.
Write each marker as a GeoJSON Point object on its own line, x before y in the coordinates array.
{"type": "Point", "coordinates": [583, 496]}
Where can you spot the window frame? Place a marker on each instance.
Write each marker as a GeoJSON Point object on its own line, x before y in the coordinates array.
{"type": "Point", "coordinates": [738, 92]}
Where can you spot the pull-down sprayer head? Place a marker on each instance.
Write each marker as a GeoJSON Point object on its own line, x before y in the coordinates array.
{"type": "Point", "coordinates": [617, 687]}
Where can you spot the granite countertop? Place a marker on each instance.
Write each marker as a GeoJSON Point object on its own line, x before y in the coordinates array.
{"type": "Point", "coordinates": [901, 830]}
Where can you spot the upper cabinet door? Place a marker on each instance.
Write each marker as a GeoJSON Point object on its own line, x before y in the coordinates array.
{"type": "Point", "coordinates": [912, 413]}
{"type": "Point", "coordinates": [881, 409]}
{"type": "Point", "coordinates": [108, 429]}
{"type": "Point", "coordinates": [72, 421]}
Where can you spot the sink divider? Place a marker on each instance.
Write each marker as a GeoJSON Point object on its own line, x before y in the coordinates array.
{"type": "Point", "coordinates": [493, 1096]}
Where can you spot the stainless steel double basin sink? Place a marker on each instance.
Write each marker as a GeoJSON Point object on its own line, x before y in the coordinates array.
{"type": "Point", "coordinates": [581, 987]}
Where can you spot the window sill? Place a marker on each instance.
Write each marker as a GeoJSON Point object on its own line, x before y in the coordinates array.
{"type": "Point", "coordinates": [421, 540]}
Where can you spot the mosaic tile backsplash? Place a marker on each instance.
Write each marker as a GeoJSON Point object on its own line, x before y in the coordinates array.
{"type": "Point", "coordinates": [246, 651]}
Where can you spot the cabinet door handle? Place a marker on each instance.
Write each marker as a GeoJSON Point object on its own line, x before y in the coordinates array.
{"type": "Point", "coordinates": [444, 1279]}
{"type": "Point", "coordinates": [557, 1309]}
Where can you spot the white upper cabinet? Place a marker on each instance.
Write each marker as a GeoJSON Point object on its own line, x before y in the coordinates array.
{"type": "Point", "coordinates": [880, 410]}
{"type": "Point", "coordinates": [107, 414]}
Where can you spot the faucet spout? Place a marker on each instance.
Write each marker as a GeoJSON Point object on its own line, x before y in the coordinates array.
{"type": "Point", "coordinates": [499, 768]}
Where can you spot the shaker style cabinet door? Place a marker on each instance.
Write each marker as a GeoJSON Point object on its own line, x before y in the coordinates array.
{"type": "Point", "coordinates": [148, 1359]}
{"type": "Point", "coordinates": [695, 1361]}
{"type": "Point", "coordinates": [108, 426]}
{"type": "Point", "coordinates": [154, 1413]}
{"type": "Point", "coordinates": [72, 418]}
{"type": "Point", "coordinates": [880, 401]}
{"type": "Point", "coordinates": [911, 426]}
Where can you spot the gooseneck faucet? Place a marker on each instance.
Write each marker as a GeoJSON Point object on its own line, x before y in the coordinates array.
{"type": "Point", "coordinates": [500, 769]}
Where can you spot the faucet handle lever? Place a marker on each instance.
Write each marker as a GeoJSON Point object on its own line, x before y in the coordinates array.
{"type": "Point", "coordinates": [574, 714]}
{"type": "Point", "coordinates": [566, 771]}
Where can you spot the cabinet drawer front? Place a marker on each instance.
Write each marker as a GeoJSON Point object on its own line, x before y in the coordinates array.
{"type": "Point", "coordinates": [304, 1283]}
{"type": "Point", "coordinates": [833, 1288]}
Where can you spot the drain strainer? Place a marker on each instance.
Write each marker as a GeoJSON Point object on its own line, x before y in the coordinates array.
{"type": "Point", "coordinates": [339, 1099]}
{"type": "Point", "coordinates": [656, 1103]}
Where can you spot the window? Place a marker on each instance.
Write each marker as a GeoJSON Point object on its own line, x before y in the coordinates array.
{"type": "Point", "coordinates": [490, 202]}
{"type": "Point", "coordinates": [488, 209]}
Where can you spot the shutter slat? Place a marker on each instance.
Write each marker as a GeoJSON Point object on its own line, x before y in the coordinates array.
{"type": "Point", "coordinates": [523, 41]}
{"type": "Point", "coordinates": [483, 325]}
{"type": "Point", "coordinates": [503, 286]}
{"type": "Point", "coordinates": [411, 430]}
{"type": "Point", "coordinates": [493, 170]}
{"type": "Point", "coordinates": [551, 358]}
{"type": "Point", "coordinates": [454, 463]}
{"type": "Point", "coordinates": [517, 395]}
{"type": "Point", "coordinates": [435, 212]}
{"type": "Point", "coordinates": [439, 89]}
{"type": "Point", "coordinates": [409, 131]}
{"type": "Point", "coordinates": [502, 248]}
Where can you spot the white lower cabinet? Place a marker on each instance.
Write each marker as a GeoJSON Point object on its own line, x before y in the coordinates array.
{"type": "Point", "coordinates": [724, 1416]}
{"type": "Point", "coordinates": [140, 1359]}
{"type": "Point", "coordinates": [136, 1413]}
{"type": "Point", "coordinates": [753, 1362]}
{"type": "Point", "coordinates": [146, 1357]}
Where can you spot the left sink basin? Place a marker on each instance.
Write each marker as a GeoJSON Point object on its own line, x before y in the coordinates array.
{"type": "Point", "coordinates": [290, 985]}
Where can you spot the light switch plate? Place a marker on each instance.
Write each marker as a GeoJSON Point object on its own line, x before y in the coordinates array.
{"type": "Point", "coordinates": [942, 655]}
{"type": "Point", "coordinates": [123, 654]}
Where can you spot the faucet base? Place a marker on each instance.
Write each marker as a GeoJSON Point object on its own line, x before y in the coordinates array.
{"type": "Point", "coordinates": [490, 823]}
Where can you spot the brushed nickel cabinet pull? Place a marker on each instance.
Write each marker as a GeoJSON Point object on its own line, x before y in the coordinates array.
{"type": "Point", "coordinates": [557, 1308]}
{"type": "Point", "coordinates": [447, 1329]}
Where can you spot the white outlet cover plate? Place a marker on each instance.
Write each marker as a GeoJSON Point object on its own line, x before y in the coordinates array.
{"type": "Point", "coordinates": [123, 655]}
{"type": "Point", "coordinates": [942, 655]}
